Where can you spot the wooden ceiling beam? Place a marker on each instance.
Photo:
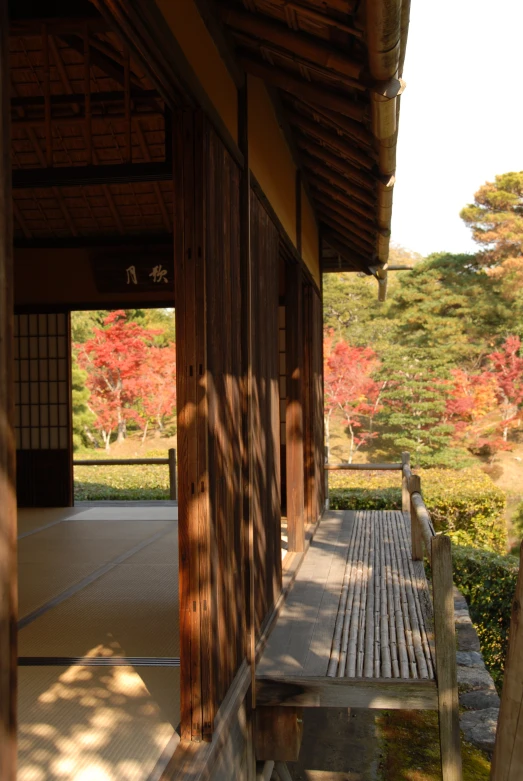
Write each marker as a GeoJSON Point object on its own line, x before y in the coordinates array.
{"type": "Point", "coordinates": [305, 65]}
{"type": "Point", "coordinates": [328, 189]}
{"type": "Point", "coordinates": [32, 28]}
{"type": "Point", "coordinates": [157, 192]}
{"type": "Point", "coordinates": [337, 242]}
{"type": "Point", "coordinates": [303, 45]}
{"type": "Point", "coordinates": [21, 221]}
{"type": "Point", "coordinates": [312, 93]}
{"type": "Point", "coordinates": [334, 221]}
{"type": "Point", "coordinates": [363, 196]}
{"type": "Point", "coordinates": [38, 101]}
{"type": "Point", "coordinates": [77, 176]}
{"type": "Point", "coordinates": [339, 164]}
{"type": "Point", "coordinates": [358, 225]}
{"type": "Point", "coordinates": [341, 124]}
{"type": "Point", "coordinates": [316, 16]}
{"type": "Point", "coordinates": [333, 140]}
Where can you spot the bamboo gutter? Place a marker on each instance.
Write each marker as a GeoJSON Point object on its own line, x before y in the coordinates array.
{"type": "Point", "coordinates": [387, 29]}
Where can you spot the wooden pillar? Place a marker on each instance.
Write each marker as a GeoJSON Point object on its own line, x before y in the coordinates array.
{"type": "Point", "coordinates": [446, 671]}
{"type": "Point", "coordinates": [8, 584]}
{"type": "Point", "coordinates": [197, 695]}
{"type": "Point", "coordinates": [294, 409]}
{"type": "Point", "coordinates": [507, 762]}
{"type": "Point", "coordinates": [246, 387]}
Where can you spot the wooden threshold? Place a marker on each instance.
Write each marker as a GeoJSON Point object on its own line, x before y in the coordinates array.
{"type": "Point", "coordinates": [324, 692]}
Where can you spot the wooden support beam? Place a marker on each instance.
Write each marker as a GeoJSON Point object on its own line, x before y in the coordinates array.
{"type": "Point", "coordinates": [507, 763]}
{"type": "Point", "coordinates": [336, 121]}
{"type": "Point", "coordinates": [8, 582]}
{"type": "Point", "coordinates": [294, 432]}
{"type": "Point", "coordinates": [358, 226]}
{"type": "Point", "coordinates": [446, 670]}
{"type": "Point", "coordinates": [115, 96]}
{"type": "Point", "coordinates": [278, 733]}
{"type": "Point", "coordinates": [128, 157]}
{"type": "Point", "coordinates": [157, 192]}
{"type": "Point", "coordinates": [363, 196]}
{"type": "Point", "coordinates": [346, 150]}
{"type": "Point", "coordinates": [357, 262]}
{"type": "Point", "coordinates": [77, 176]}
{"type": "Point", "coordinates": [339, 164]}
{"type": "Point", "coordinates": [261, 28]}
{"type": "Point", "coordinates": [324, 692]}
{"type": "Point", "coordinates": [87, 98]}
{"type": "Point", "coordinates": [47, 98]}
{"type": "Point", "coordinates": [335, 221]}
{"type": "Point", "coordinates": [249, 627]}
{"type": "Point", "coordinates": [298, 210]}
{"type": "Point", "coordinates": [304, 89]}
{"type": "Point", "coordinates": [309, 13]}
{"type": "Point", "coordinates": [342, 196]}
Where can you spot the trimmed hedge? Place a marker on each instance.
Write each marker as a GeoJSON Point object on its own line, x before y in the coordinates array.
{"type": "Point", "coordinates": [488, 582]}
{"type": "Point", "coordinates": [465, 504]}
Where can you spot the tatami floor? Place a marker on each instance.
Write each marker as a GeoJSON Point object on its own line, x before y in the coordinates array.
{"type": "Point", "coordinates": [98, 642]}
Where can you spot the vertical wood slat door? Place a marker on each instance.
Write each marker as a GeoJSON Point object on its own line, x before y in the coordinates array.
{"type": "Point", "coordinates": [8, 583]}
{"type": "Point", "coordinates": [266, 411]}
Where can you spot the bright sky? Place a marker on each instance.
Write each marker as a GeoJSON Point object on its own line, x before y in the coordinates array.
{"type": "Point", "coordinates": [461, 119]}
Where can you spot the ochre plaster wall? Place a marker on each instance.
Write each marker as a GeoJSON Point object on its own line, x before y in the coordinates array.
{"type": "Point", "coordinates": [309, 237]}
{"type": "Point", "coordinates": [270, 158]}
{"type": "Point", "coordinates": [191, 33]}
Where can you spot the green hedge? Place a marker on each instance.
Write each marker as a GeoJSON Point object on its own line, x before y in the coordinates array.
{"type": "Point", "coordinates": [488, 582]}
{"type": "Point", "coordinates": [464, 503]}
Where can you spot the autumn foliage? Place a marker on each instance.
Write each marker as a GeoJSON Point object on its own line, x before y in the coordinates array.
{"type": "Point", "coordinates": [129, 378]}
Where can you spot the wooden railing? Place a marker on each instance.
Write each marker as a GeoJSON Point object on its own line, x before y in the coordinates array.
{"type": "Point", "coordinates": [438, 550]}
{"type": "Point", "coordinates": [170, 461]}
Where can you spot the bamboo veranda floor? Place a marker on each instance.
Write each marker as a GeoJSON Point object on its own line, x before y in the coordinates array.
{"type": "Point", "coordinates": [356, 628]}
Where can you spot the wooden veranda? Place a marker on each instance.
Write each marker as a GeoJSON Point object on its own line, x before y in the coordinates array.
{"type": "Point", "coordinates": [361, 628]}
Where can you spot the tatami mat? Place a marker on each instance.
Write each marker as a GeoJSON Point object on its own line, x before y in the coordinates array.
{"type": "Point", "coordinates": [85, 723]}
{"type": "Point", "coordinates": [133, 610]}
{"type": "Point", "coordinates": [32, 519]}
{"type": "Point", "coordinates": [94, 724]}
{"type": "Point", "coordinates": [58, 557]}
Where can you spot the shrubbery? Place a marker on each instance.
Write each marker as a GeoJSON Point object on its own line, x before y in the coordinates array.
{"type": "Point", "coordinates": [488, 582]}
{"type": "Point", "coordinates": [465, 504]}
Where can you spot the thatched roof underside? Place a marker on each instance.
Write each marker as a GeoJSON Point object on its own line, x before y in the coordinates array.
{"type": "Point", "coordinates": [330, 61]}
{"type": "Point", "coordinates": [80, 101]}
{"type": "Point", "coordinates": [48, 76]}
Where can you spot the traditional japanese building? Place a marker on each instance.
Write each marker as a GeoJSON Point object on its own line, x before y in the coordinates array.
{"type": "Point", "coordinates": [216, 157]}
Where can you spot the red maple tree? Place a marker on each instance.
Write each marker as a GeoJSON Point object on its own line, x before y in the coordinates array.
{"type": "Point", "coordinates": [350, 390]}
{"type": "Point", "coordinates": [114, 359]}
{"type": "Point", "coordinates": [507, 369]}
{"type": "Point", "coordinates": [157, 386]}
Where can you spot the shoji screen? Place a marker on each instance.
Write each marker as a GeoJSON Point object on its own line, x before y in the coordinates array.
{"type": "Point", "coordinates": [43, 409]}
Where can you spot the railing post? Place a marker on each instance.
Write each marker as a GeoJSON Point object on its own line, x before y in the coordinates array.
{"type": "Point", "coordinates": [405, 495]}
{"type": "Point", "coordinates": [507, 763]}
{"type": "Point", "coordinates": [414, 486]}
{"type": "Point", "coordinates": [173, 486]}
{"type": "Point", "coordinates": [446, 670]}
{"type": "Point", "coordinates": [326, 478]}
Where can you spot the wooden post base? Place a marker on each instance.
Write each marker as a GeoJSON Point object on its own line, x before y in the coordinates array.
{"type": "Point", "coordinates": [278, 733]}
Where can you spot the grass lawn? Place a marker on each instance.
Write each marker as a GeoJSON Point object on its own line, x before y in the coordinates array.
{"type": "Point", "coordinates": [124, 483]}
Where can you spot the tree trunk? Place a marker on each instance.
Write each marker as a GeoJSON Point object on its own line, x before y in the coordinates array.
{"type": "Point", "coordinates": [351, 451]}
{"type": "Point", "coordinates": [145, 431]}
